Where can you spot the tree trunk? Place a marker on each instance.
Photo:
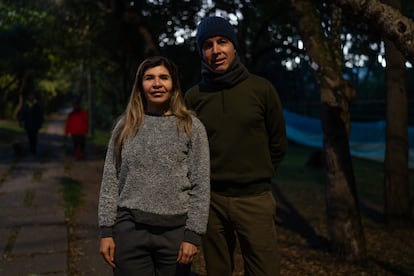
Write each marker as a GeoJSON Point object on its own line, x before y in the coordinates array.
{"type": "Point", "coordinates": [91, 109]}
{"type": "Point", "coordinates": [343, 217]}
{"type": "Point", "coordinates": [26, 75]}
{"type": "Point", "coordinates": [397, 207]}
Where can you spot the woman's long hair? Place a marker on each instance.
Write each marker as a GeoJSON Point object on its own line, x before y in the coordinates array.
{"type": "Point", "coordinates": [131, 120]}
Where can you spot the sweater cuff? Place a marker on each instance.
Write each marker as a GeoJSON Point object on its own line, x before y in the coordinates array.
{"type": "Point", "coordinates": [192, 237]}
{"type": "Point", "coordinates": [105, 232]}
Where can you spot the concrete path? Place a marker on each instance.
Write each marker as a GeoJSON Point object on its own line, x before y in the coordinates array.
{"type": "Point", "coordinates": [35, 236]}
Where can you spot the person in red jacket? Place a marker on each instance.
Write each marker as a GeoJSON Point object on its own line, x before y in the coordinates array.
{"type": "Point", "coordinates": [77, 126]}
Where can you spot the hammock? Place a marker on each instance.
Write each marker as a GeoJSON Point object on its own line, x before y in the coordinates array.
{"type": "Point", "coordinates": [367, 139]}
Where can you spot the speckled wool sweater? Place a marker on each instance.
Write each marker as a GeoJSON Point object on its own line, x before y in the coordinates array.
{"type": "Point", "coordinates": [163, 179]}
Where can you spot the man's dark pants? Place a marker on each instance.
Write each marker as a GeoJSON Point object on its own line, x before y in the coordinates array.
{"type": "Point", "coordinates": [252, 220]}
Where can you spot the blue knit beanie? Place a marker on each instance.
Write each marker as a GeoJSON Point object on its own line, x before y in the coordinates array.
{"type": "Point", "coordinates": [214, 26]}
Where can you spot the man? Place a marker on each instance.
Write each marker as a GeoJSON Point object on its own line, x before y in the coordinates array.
{"type": "Point", "coordinates": [246, 129]}
{"type": "Point", "coordinates": [30, 117]}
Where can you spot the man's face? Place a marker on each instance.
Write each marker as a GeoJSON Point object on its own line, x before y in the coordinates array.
{"type": "Point", "coordinates": [218, 52]}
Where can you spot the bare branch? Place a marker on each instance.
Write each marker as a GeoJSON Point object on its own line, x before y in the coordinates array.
{"type": "Point", "coordinates": [395, 26]}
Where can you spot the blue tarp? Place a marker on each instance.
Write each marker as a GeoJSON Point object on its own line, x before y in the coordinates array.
{"type": "Point", "coordinates": [367, 139]}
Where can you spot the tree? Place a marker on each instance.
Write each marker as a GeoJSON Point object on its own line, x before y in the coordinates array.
{"type": "Point", "coordinates": [22, 47]}
{"type": "Point", "coordinates": [388, 20]}
{"type": "Point", "coordinates": [343, 215]}
{"type": "Point", "coordinates": [397, 207]}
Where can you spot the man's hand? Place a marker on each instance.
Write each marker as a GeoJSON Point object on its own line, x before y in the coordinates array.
{"type": "Point", "coordinates": [186, 253]}
{"type": "Point", "coordinates": [107, 249]}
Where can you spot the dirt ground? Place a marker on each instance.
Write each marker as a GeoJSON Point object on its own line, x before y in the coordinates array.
{"type": "Point", "coordinates": [301, 253]}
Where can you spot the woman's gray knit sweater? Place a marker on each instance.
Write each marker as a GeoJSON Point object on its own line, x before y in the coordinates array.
{"type": "Point", "coordinates": [163, 179]}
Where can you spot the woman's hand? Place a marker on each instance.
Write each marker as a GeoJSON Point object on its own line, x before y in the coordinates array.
{"type": "Point", "coordinates": [186, 253]}
{"type": "Point", "coordinates": [107, 249]}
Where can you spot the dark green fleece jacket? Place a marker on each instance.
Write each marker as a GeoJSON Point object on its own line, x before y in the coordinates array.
{"type": "Point", "coordinates": [246, 131]}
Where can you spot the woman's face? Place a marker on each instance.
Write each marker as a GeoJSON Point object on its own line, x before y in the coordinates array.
{"type": "Point", "coordinates": [157, 84]}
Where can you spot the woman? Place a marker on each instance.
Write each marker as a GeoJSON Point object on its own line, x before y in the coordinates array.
{"type": "Point", "coordinates": [154, 198]}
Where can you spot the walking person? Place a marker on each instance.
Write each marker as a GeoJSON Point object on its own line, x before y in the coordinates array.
{"type": "Point", "coordinates": [243, 117]}
{"type": "Point", "coordinates": [77, 126]}
{"type": "Point", "coordinates": [31, 118]}
{"type": "Point", "coordinates": [154, 198]}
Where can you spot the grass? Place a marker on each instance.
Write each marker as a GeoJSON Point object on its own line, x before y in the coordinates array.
{"type": "Point", "coordinates": [9, 130]}
{"type": "Point", "coordinates": [10, 242]}
{"type": "Point", "coordinates": [72, 195]}
{"type": "Point", "coordinates": [37, 175]}
{"type": "Point", "coordinates": [100, 137]}
{"type": "Point", "coordinates": [369, 175]}
{"type": "Point", "coordinates": [6, 173]}
{"type": "Point", "coordinates": [28, 198]}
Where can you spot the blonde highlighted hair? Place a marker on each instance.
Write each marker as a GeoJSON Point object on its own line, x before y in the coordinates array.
{"type": "Point", "coordinates": [131, 120]}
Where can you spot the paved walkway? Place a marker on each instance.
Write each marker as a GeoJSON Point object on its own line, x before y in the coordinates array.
{"type": "Point", "coordinates": [35, 237]}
